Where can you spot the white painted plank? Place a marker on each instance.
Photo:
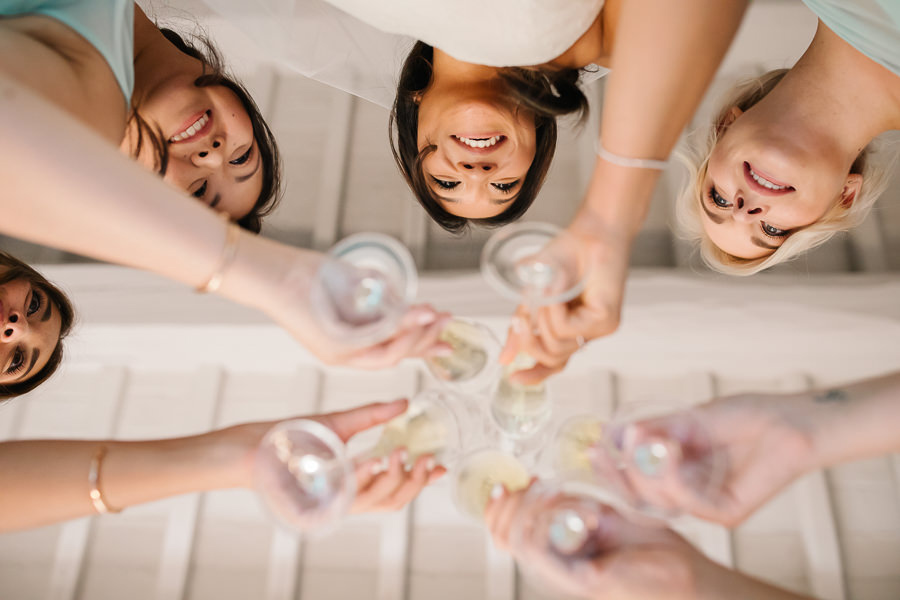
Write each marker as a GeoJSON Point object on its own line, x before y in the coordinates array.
{"type": "Point", "coordinates": [334, 173]}
{"type": "Point", "coordinates": [181, 524]}
{"type": "Point", "coordinates": [500, 573]}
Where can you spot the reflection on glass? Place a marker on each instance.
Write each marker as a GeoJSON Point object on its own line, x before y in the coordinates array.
{"type": "Point", "coordinates": [473, 364]}
{"type": "Point", "coordinates": [363, 289]}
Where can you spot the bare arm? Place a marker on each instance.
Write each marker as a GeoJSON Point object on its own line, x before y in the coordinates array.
{"type": "Point", "coordinates": [45, 481]}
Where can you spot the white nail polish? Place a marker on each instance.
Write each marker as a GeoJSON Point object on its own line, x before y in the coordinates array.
{"type": "Point", "coordinates": [497, 491]}
{"type": "Point", "coordinates": [430, 464]}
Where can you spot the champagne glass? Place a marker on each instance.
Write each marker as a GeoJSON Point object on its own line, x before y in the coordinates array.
{"type": "Point", "coordinates": [477, 474]}
{"type": "Point", "coordinates": [472, 367]}
{"type": "Point", "coordinates": [536, 264]}
{"type": "Point", "coordinates": [364, 288]}
{"type": "Point", "coordinates": [572, 445]}
{"type": "Point", "coordinates": [307, 478]}
{"type": "Point", "coordinates": [558, 525]}
{"type": "Point", "coordinates": [651, 458]}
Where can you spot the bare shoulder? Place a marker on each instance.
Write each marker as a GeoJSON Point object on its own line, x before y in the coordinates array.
{"type": "Point", "coordinates": [58, 64]}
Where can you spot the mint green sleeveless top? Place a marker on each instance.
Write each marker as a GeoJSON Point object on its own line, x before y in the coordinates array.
{"type": "Point", "coordinates": [108, 25]}
{"type": "Point", "coordinates": [870, 26]}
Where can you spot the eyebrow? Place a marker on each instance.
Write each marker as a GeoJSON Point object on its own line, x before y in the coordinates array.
{"type": "Point", "coordinates": [762, 244]}
{"type": "Point", "coordinates": [34, 357]}
{"type": "Point", "coordinates": [718, 220]}
{"type": "Point", "coordinates": [244, 178]}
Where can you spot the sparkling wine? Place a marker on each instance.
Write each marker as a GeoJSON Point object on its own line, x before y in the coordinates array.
{"type": "Point", "coordinates": [478, 475]}
{"type": "Point", "coordinates": [470, 354]}
{"type": "Point", "coordinates": [520, 411]}
{"type": "Point", "coordinates": [572, 443]}
{"type": "Point", "coordinates": [423, 429]}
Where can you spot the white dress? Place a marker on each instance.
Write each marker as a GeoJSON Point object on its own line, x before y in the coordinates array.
{"type": "Point", "coordinates": [362, 53]}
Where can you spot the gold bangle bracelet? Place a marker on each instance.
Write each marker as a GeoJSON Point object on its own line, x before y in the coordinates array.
{"type": "Point", "coordinates": [229, 251]}
{"type": "Point", "coordinates": [100, 505]}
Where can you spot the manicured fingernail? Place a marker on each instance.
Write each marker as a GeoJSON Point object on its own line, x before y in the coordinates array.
{"type": "Point", "coordinates": [426, 318]}
{"type": "Point", "coordinates": [497, 491]}
{"type": "Point", "coordinates": [377, 467]}
{"type": "Point", "coordinates": [518, 325]}
{"type": "Point", "coordinates": [404, 456]}
{"type": "Point", "coordinates": [384, 463]}
{"type": "Point", "coordinates": [430, 464]}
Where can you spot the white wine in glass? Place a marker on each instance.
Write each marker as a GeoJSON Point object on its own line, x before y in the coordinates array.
{"type": "Point", "coordinates": [473, 364]}
{"type": "Point", "coordinates": [477, 474]}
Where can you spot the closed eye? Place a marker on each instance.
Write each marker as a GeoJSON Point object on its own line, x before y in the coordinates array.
{"type": "Point", "coordinates": [447, 185]}
{"type": "Point", "coordinates": [507, 188]}
{"type": "Point", "coordinates": [243, 158]}
{"type": "Point", "coordinates": [201, 191]}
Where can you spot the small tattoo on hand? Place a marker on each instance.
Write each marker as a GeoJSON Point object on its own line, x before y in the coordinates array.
{"type": "Point", "coordinates": [832, 396]}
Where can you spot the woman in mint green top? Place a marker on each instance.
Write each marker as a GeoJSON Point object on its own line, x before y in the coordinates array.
{"type": "Point", "coordinates": [181, 115]}
{"type": "Point", "coordinates": [787, 162]}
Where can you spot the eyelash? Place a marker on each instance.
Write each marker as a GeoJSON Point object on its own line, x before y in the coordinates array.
{"type": "Point", "coordinates": [240, 160]}
{"type": "Point", "coordinates": [447, 185]}
{"type": "Point", "coordinates": [35, 296]}
{"type": "Point", "coordinates": [781, 233]}
{"type": "Point", "coordinates": [506, 188]}
{"type": "Point", "coordinates": [201, 191]}
{"type": "Point", "coordinates": [713, 195]}
{"type": "Point", "coordinates": [18, 362]}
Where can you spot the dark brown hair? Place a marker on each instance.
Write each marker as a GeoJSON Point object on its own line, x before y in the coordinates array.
{"type": "Point", "coordinates": [16, 270]}
{"type": "Point", "coordinates": [546, 91]}
{"type": "Point", "coordinates": [215, 74]}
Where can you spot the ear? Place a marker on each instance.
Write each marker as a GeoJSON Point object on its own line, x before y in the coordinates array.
{"type": "Point", "coordinates": [417, 97]}
{"type": "Point", "coordinates": [727, 119]}
{"type": "Point", "coordinates": [851, 189]}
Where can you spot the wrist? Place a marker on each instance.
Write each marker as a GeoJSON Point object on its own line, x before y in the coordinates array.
{"type": "Point", "coordinates": [232, 452]}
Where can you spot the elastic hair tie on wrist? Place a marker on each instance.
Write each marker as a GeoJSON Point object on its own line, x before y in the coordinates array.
{"type": "Point", "coordinates": [625, 161]}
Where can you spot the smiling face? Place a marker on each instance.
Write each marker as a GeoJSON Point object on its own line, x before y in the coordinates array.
{"type": "Point", "coordinates": [213, 154]}
{"type": "Point", "coordinates": [484, 147]}
{"type": "Point", "coordinates": [30, 325]}
{"type": "Point", "coordinates": [764, 183]}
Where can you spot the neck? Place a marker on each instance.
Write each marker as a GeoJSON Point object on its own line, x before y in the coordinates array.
{"type": "Point", "coordinates": [156, 59]}
{"type": "Point", "coordinates": [837, 92]}
{"type": "Point", "coordinates": [446, 70]}
{"type": "Point", "coordinates": [596, 44]}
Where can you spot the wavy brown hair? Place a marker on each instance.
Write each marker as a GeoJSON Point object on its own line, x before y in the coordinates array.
{"type": "Point", "coordinates": [546, 91]}
{"type": "Point", "coordinates": [216, 74]}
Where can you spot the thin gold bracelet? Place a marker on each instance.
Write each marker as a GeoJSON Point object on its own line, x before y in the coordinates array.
{"type": "Point", "coordinates": [96, 495]}
{"type": "Point", "coordinates": [229, 251]}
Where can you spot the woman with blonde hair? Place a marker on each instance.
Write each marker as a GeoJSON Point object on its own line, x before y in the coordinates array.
{"type": "Point", "coordinates": [789, 159]}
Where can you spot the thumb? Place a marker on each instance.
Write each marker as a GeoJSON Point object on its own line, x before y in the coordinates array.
{"type": "Point", "coordinates": [350, 422]}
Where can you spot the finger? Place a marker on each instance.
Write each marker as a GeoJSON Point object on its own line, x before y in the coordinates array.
{"type": "Point", "coordinates": [404, 344]}
{"type": "Point", "coordinates": [518, 330]}
{"type": "Point", "coordinates": [558, 316]}
{"type": "Point", "coordinates": [367, 470]}
{"type": "Point", "coordinates": [504, 520]}
{"type": "Point", "coordinates": [438, 472]}
{"type": "Point", "coordinates": [348, 423]}
{"type": "Point", "coordinates": [429, 340]}
{"type": "Point", "coordinates": [385, 484]}
{"type": "Point", "coordinates": [417, 479]}
{"type": "Point", "coordinates": [497, 500]}
{"type": "Point", "coordinates": [418, 315]}
{"type": "Point", "coordinates": [535, 375]}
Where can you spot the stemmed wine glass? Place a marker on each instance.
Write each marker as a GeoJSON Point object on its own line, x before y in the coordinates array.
{"type": "Point", "coordinates": [479, 472]}
{"type": "Point", "coordinates": [535, 264]}
{"type": "Point", "coordinates": [364, 288]}
{"type": "Point", "coordinates": [472, 367]}
{"type": "Point", "coordinates": [648, 457]}
{"type": "Point", "coordinates": [307, 479]}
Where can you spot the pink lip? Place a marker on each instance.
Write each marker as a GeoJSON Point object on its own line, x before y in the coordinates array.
{"type": "Point", "coordinates": [760, 189]}
{"type": "Point", "coordinates": [203, 131]}
{"type": "Point", "coordinates": [486, 150]}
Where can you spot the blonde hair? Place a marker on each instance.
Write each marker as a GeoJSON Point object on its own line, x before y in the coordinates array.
{"type": "Point", "coordinates": [695, 157]}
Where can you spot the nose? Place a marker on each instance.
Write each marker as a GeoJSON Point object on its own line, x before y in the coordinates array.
{"type": "Point", "coordinates": [210, 155]}
{"type": "Point", "coordinates": [746, 210]}
{"type": "Point", "coordinates": [15, 327]}
{"type": "Point", "coordinates": [477, 166]}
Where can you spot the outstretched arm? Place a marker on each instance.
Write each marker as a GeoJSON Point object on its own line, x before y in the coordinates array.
{"type": "Point", "coordinates": [664, 57]}
{"type": "Point", "coordinates": [46, 481]}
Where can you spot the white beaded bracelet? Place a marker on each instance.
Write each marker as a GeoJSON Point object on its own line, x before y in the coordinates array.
{"type": "Point", "coordinates": [625, 161]}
